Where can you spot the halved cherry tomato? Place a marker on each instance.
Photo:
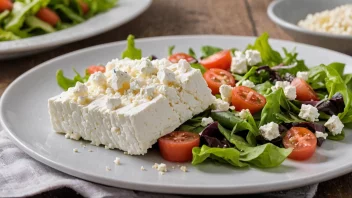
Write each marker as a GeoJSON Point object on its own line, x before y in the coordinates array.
{"type": "Point", "coordinates": [5, 5]}
{"type": "Point", "coordinates": [247, 98]}
{"type": "Point", "coordinates": [303, 142]}
{"type": "Point", "coordinates": [84, 6]}
{"type": "Point", "coordinates": [178, 56]}
{"type": "Point", "coordinates": [177, 146]}
{"type": "Point", "coordinates": [221, 60]}
{"type": "Point", "coordinates": [95, 68]}
{"type": "Point", "coordinates": [217, 77]}
{"type": "Point", "coordinates": [304, 91]}
{"type": "Point", "coordinates": [49, 16]}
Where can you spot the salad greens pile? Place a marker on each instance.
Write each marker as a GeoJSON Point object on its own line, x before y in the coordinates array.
{"type": "Point", "coordinates": [21, 19]}
{"type": "Point", "coordinates": [236, 140]}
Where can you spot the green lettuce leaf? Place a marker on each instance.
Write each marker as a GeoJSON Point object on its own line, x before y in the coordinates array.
{"type": "Point", "coordinates": [66, 12]}
{"type": "Point", "coordinates": [66, 83]}
{"type": "Point", "coordinates": [223, 155]}
{"type": "Point", "coordinates": [7, 36]}
{"type": "Point", "coordinates": [97, 6]}
{"type": "Point", "coordinates": [192, 53]}
{"type": "Point", "coordinates": [263, 88]}
{"type": "Point", "coordinates": [290, 59]}
{"type": "Point", "coordinates": [131, 51]}
{"type": "Point", "coordinates": [198, 66]}
{"type": "Point", "coordinates": [3, 15]}
{"type": "Point", "coordinates": [317, 74]}
{"type": "Point", "coordinates": [269, 56]}
{"type": "Point", "coordinates": [209, 50]}
{"type": "Point", "coordinates": [272, 107]}
{"type": "Point", "coordinates": [35, 23]}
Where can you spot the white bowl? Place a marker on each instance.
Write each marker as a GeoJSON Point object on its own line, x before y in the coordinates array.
{"type": "Point", "coordinates": [287, 13]}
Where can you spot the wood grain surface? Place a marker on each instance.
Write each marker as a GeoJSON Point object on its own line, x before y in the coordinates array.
{"type": "Point", "coordinates": [176, 17]}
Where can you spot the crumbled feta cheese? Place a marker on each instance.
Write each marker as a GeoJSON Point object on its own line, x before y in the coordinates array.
{"type": "Point", "coordinates": [142, 168]}
{"type": "Point", "coordinates": [90, 150]}
{"type": "Point", "coordinates": [146, 68]}
{"type": "Point", "coordinates": [162, 173]}
{"type": "Point", "coordinates": [75, 150]}
{"type": "Point", "coordinates": [120, 81]}
{"type": "Point", "coordinates": [107, 168]}
{"type": "Point", "coordinates": [309, 113]}
{"type": "Point", "coordinates": [166, 76]}
{"type": "Point", "coordinates": [290, 92]}
{"type": "Point", "coordinates": [253, 57]}
{"type": "Point", "coordinates": [148, 92]}
{"type": "Point", "coordinates": [232, 108]}
{"type": "Point", "coordinates": [248, 83]}
{"type": "Point", "coordinates": [113, 103]}
{"type": "Point", "coordinates": [334, 125]}
{"type": "Point", "coordinates": [82, 100]}
{"type": "Point", "coordinates": [98, 79]}
{"type": "Point", "coordinates": [183, 66]}
{"type": "Point", "coordinates": [125, 153]}
{"type": "Point", "coordinates": [239, 65]}
{"type": "Point", "coordinates": [67, 136]}
{"type": "Point", "coordinates": [162, 167]}
{"type": "Point", "coordinates": [226, 92]}
{"type": "Point", "coordinates": [117, 161]}
{"type": "Point", "coordinates": [270, 131]}
{"type": "Point", "coordinates": [79, 90]}
{"type": "Point", "coordinates": [303, 75]}
{"type": "Point", "coordinates": [206, 121]}
{"type": "Point", "coordinates": [319, 134]}
{"type": "Point", "coordinates": [220, 105]}
{"type": "Point", "coordinates": [155, 166]}
{"type": "Point", "coordinates": [184, 168]}
{"type": "Point", "coordinates": [244, 114]}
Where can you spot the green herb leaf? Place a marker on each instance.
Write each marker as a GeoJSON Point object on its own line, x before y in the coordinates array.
{"type": "Point", "coordinates": [131, 51]}
{"type": "Point", "coordinates": [66, 83]}
{"type": "Point", "coordinates": [209, 50]}
{"type": "Point", "coordinates": [170, 51]}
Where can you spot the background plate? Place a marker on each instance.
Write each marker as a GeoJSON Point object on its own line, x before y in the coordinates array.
{"type": "Point", "coordinates": [125, 11]}
{"type": "Point", "coordinates": [24, 114]}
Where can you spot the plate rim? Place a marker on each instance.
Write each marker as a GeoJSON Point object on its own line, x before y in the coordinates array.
{"type": "Point", "coordinates": [17, 48]}
{"type": "Point", "coordinates": [210, 190]}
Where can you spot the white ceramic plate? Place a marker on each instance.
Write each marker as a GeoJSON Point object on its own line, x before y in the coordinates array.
{"type": "Point", "coordinates": [25, 116]}
{"type": "Point", "coordinates": [125, 11]}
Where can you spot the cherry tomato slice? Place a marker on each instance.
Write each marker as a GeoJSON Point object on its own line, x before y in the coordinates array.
{"type": "Point", "coordinates": [217, 77]}
{"type": "Point", "coordinates": [5, 5]}
{"type": "Point", "coordinates": [49, 16]}
{"type": "Point", "coordinates": [304, 91]}
{"type": "Point", "coordinates": [303, 142]}
{"type": "Point", "coordinates": [178, 56]}
{"type": "Point", "coordinates": [247, 98]}
{"type": "Point", "coordinates": [220, 60]}
{"type": "Point", "coordinates": [95, 68]}
{"type": "Point", "coordinates": [84, 6]}
{"type": "Point", "coordinates": [177, 146]}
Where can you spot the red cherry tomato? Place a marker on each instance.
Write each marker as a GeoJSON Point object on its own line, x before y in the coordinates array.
{"type": "Point", "coordinates": [247, 98]}
{"type": "Point", "coordinates": [217, 77]}
{"type": "Point", "coordinates": [178, 56]}
{"type": "Point", "coordinates": [5, 5]}
{"type": "Point", "coordinates": [177, 146]}
{"type": "Point", "coordinates": [49, 16]}
{"type": "Point", "coordinates": [303, 142]}
{"type": "Point", "coordinates": [84, 6]}
{"type": "Point", "coordinates": [95, 68]}
{"type": "Point", "coordinates": [304, 91]}
{"type": "Point", "coordinates": [220, 60]}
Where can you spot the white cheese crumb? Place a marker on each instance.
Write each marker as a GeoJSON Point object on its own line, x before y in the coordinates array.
{"type": "Point", "coordinates": [244, 114]}
{"type": "Point", "coordinates": [309, 113]}
{"type": "Point", "coordinates": [239, 65]}
{"type": "Point", "coordinates": [146, 68]}
{"type": "Point", "coordinates": [67, 136]}
{"type": "Point", "coordinates": [206, 121]}
{"type": "Point", "coordinates": [142, 168]}
{"type": "Point", "coordinates": [290, 92]}
{"type": "Point", "coordinates": [125, 153]}
{"type": "Point", "coordinates": [79, 90]}
{"type": "Point", "coordinates": [303, 75]}
{"type": "Point", "coordinates": [319, 134]}
{"type": "Point", "coordinates": [119, 81]}
{"type": "Point", "coordinates": [98, 79]}
{"type": "Point", "coordinates": [183, 66]}
{"type": "Point", "coordinates": [253, 57]}
{"type": "Point", "coordinates": [117, 161]}
{"type": "Point", "coordinates": [248, 83]}
{"type": "Point", "coordinates": [232, 108]}
{"type": "Point", "coordinates": [270, 131]}
{"type": "Point", "coordinates": [75, 150]}
{"type": "Point", "coordinates": [334, 125]}
{"type": "Point", "coordinates": [184, 168]}
{"type": "Point", "coordinates": [220, 105]}
{"type": "Point", "coordinates": [162, 173]}
{"type": "Point", "coordinates": [107, 168]}
{"type": "Point", "coordinates": [166, 76]}
{"type": "Point", "coordinates": [173, 167]}
{"type": "Point", "coordinates": [90, 150]}
{"type": "Point", "coordinates": [113, 103]}
{"type": "Point", "coordinates": [162, 167]}
{"type": "Point", "coordinates": [155, 166]}
{"type": "Point", "coordinates": [226, 92]}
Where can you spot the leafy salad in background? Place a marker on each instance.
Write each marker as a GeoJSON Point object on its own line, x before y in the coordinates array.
{"type": "Point", "coordinates": [26, 18]}
{"type": "Point", "coordinates": [274, 107]}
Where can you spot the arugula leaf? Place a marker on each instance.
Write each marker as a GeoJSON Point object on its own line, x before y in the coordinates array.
{"type": "Point", "coordinates": [198, 66]}
{"type": "Point", "coordinates": [208, 50]}
{"type": "Point", "coordinates": [269, 56]}
{"type": "Point", "coordinates": [334, 84]}
{"type": "Point", "coordinates": [35, 23]}
{"type": "Point", "coordinates": [97, 6]}
{"type": "Point", "coordinates": [251, 72]}
{"type": "Point", "coordinates": [3, 15]}
{"type": "Point", "coordinates": [192, 53]}
{"type": "Point", "coordinates": [170, 50]}
{"type": "Point", "coordinates": [194, 124]}
{"type": "Point", "coordinates": [272, 107]}
{"type": "Point", "coordinates": [223, 155]}
{"type": "Point", "coordinates": [348, 80]}
{"type": "Point", "coordinates": [66, 83]}
{"type": "Point", "coordinates": [263, 88]}
{"type": "Point", "coordinates": [288, 117]}
{"type": "Point", "coordinates": [7, 36]}
{"type": "Point", "coordinates": [337, 137]}
{"type": "Point", "coordinates": [68, 13]}
{"type": "Point", "coordinates": [317, 74]}
{"type": "Point", "coordinates": [131, 51]}
{"type": "Point", "coordinates": [290, 59]}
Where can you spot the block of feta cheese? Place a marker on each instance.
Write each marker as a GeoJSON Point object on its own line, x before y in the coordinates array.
{"type": "Point", "coordinates": [132, 104]}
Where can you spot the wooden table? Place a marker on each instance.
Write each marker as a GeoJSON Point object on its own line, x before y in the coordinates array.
{"type": "Point", "coordinates": [176, 17]}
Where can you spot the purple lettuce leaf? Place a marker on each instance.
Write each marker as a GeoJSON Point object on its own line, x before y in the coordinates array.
{"type": "Point", "coordinates": [212, 137]}
{"type": "Point", "coordinates": [332, 106]}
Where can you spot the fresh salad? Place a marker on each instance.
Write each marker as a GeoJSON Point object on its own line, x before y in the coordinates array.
{"type": "Point", "coordinates": [268, 106]}
{"type": "Point", "coordinates": [26, 18]}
